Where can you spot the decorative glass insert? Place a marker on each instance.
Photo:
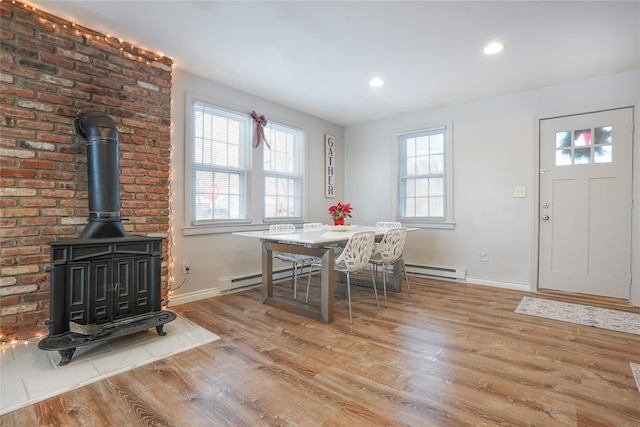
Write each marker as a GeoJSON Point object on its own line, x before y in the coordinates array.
{"type": "Point", "coordinates": [584, 146]}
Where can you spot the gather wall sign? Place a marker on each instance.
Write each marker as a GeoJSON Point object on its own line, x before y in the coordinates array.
{"type": "Point", "coordinates": [329, 166]}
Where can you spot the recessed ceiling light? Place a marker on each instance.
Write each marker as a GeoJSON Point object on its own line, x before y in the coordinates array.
{"type": "Point", "coordinates": [493, 48]}
{"type": "Point", "coordinates": [376, 82]}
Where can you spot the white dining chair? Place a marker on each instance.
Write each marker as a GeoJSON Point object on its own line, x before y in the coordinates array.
{"type": "Point", "coordinates": [313, 226]}
{"type": "Point", "coordinates": [385, 225]}
{"type": "Point", "coordinates": [298, 261]}
{"type": "Point", "coordinates": [388, 252]}
{"type": "Point", "coordinates": [354, 258]}
{"type": "Point", "coordinates": [287, 257]}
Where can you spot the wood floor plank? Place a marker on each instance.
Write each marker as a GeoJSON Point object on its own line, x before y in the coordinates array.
{"type": "Point", "coordinates": [452, 355]}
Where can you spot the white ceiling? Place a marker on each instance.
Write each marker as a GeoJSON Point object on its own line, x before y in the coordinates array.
{"type": "Point", "coordinates": [318, 57]}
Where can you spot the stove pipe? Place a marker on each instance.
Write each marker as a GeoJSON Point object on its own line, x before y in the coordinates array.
{"type": "Point", "coordinates": [103, 169]}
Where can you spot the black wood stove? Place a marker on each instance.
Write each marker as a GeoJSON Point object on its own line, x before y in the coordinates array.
{"type": "Point", "coordinates": [103, 284]}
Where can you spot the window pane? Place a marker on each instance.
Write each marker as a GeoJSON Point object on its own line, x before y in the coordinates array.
{"type": "Point", "coordinates": [283, 166]}
{"type": "Point", "coordinates": [422, 146]}
{"type": "Point", "coordinates": [422, 165]}
{"type": "Point", "coordinates": [220, 141]}
{"type": "Point", "coordinates": [583, 137]}
{"type": "Point", "coordinates": [436, 187]}
{"type": "Point", "coordinates": [411, 147]}
{"type": "Point", "coordinates": [411, 166]}
{"type": "Point", "coordinates": [422, 172]}
{"type": "Point", "coordinates": [437, 144]}
{"type": "Point", "coordinates": [436, 206]}
{"type": "Point", "coordinates": [204, 195]}
{"type": "Point", "coordinates": [410, 187]}
{"type": "Point", "coordinates": [583, 155]}
{"type": "Point", "coordinates": [410, 207]}
{"type": "Point", "coordinates": [563, 157]}
{"type": "Point", "coordinates": [603, 154]}
{"type": "Point", "coordinates": [436, 164]}
{"type": "Point", "coordinates": [563, 139]}
{"type": "Point", "coordinates": [603, 135]}
{"type": "Point", "coordinates": [422, 207]}
{"type": "Point", "coordinates": [422, 187]}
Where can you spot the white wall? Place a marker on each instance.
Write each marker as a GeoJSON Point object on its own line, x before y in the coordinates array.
{"type": "Point", "coordinates": [495, 149]}
{"type": "Point", "coordinates": [215, 256]}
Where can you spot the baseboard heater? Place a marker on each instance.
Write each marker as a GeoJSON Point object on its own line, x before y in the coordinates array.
{"type": "Point", "coordinates": [240, 283]}
{"type": "Point", "coordinates": [437, 272]}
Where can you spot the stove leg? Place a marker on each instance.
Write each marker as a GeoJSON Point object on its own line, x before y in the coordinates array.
{"type": "Point", "coordinates": [66, 354]}
{"type": "Point", "coordinates": [160, 331]}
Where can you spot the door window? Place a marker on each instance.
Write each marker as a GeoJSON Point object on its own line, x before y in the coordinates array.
{"type": "Point", "coordinates": [583, 146]}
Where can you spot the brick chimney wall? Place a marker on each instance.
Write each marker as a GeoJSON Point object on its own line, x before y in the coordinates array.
{"type": "Point", "coordinates": [50, 69]}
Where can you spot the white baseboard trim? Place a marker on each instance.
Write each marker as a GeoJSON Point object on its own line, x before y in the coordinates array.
{"type": "Point", "coordinates": [193, 296]}
{"type": "Point", "coordinates": [217, 291]}
{"type": "Point", "coordinates": [504, 285]}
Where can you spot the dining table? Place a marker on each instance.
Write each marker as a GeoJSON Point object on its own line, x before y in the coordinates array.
{"type": "Point", "coordinates": [317, 243]}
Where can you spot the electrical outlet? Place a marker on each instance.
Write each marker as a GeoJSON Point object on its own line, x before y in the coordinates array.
{"type": "Point", "coordinates": [483, 256]}
{"type": "Point", "coordinates": [186, 267]}
{"type": "Point", "coordinates": [520, 192]}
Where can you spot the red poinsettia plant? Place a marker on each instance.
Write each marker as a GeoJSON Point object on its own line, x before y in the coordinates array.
{"type": "Point", "coordinates": [339, 212]}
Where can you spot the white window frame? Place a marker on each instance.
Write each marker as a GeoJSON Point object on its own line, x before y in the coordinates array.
{"type": "Point", "coordinates": [255, 218]}
{"type": "Point", "coordinates": [296, 174]}
{"type": "Point", "coordinates": [243, 169]}
{"type": "Point", "coordinates": [447, 221]}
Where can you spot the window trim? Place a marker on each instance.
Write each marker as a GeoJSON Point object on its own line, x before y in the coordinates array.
{"type": "Point", "coordinates": [255, 180]}
{"type": "Point", "coordinates": [448, 221]}
{"type": "Point", "coordinates": [299, 174]}
{"type": "Point", "coordinates": [189, 171]}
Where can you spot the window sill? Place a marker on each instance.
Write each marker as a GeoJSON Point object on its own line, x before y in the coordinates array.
{"type": "Point", "coordinates": [195, 230]}
{"type": "Point", "coordinates": [430, 225]}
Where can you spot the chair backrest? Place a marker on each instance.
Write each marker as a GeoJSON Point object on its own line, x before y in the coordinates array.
{"type": "Point", "coordinates": [313, 226]}
{"type": "Point", "coordinates": [385, 225]}
{"type": "Point", "coordinates": [281, 228]}
{"type": "Point", "coordinates": [357, 251]}
{"type": "Point", "coordinates": [392, 244]}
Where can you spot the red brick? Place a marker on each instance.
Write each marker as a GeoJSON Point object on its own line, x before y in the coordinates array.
{"type": "Point", "coordinates": [33, 222]}
{"type": "Point", "coordinates": [8, 203]}
{"type": "Point", "coordinates": [35, 278]}
{"type": "Point", "coordinates": [18, 232]}
{"type": "Point", "coordinates": [32, 183]}
{"type": "Point", "coordinates": [23, 250]}
{"type": "Point", "coordinates": [9, 300]}
{"type": "Point", "coordinates": [17, 173]}
{"type": "Point", "coordinates": [17, 112]}
{"type": "Point", "coordinates": [36, 164]}
{"type": "Point", "coordinates": [48, 76]}
{"type": "Point", "coordinates": [38, 202]}
{"type": "Point", "coordinates": [57, 60]}
{"type": "Point", "coordinates": [4, 222]}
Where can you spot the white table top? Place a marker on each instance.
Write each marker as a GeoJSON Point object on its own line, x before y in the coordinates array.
{"type": "Point", "coordinates": [310, 238]}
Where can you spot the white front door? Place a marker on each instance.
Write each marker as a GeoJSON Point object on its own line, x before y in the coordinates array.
{"type": "Point", "coordinates": [586, 202]}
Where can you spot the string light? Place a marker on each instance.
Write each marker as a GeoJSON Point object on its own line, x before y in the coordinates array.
{"type": "Point", "coordinates": [128, 50]}
{"type": "Point", "coordinates": [12, 343]}
{"type": "Point", "coordinates": [59, 25]}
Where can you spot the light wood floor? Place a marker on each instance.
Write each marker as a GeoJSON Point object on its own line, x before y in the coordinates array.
{"type": "Point", "coordinates": [453, 355]}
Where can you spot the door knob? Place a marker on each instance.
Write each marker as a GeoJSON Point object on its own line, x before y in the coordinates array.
{"type": "Point", "coordinates": [545, 217]}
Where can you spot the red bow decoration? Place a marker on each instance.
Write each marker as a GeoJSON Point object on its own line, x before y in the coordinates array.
{"type": "Point", "coordinates": [261, 121]}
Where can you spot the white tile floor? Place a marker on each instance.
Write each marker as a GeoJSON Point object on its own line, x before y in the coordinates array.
{"type": "Point", "coordinates": [635, 368]}
{"type": "Point", "coordinates": [29, 375]}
